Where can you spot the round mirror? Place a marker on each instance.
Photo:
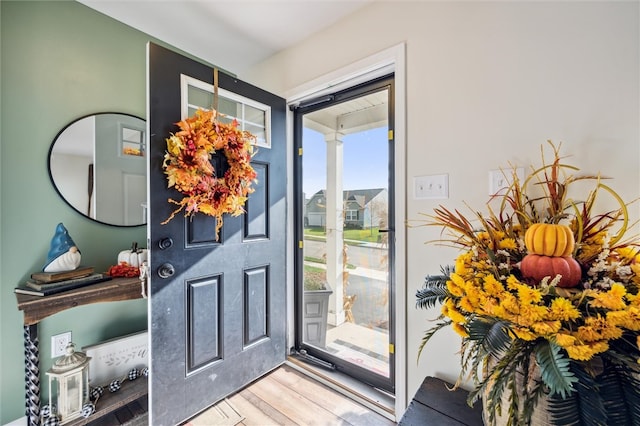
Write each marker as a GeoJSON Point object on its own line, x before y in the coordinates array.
{"type": "Point", "coordinates": [98, 166]}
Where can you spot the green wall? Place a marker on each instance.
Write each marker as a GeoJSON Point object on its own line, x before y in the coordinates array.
{"type": "Point", "coordinates": [60, 61]}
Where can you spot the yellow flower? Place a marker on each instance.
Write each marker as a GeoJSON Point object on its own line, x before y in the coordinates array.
{"type": "Point", "coordinates": [612, 299]}
{"type": "Point", "coordinates": [611, 332]}
{"type": "Point", "coordinates": [528, 295]}
{"type": "Point", "coordinates": [530, 314]}
{"type": "Point", "coordinates": [592, 245]}
{"type": "Point", "coordinates": [524, 334]}
{"type": "Point", "coordinates": [622, 319]}
{"type": "Point", "coordinates": [459, 328]}
{"type": "Point", "coordinates": [599, 347]}
{"type": "Point", "coordinates": [499, 312]}
{"type": "Point", "coordinates": [449, 309]}
{"type": "Point", "coordinates": [588, 333]}
{"type": "Point", "coordinates": [580, 352]}
{"type": "Point", "coordinates": [491, 307]}
{"type": "Point", "coordinates": [546, 327]}
{"type": "Point", "coordinates": [466, 305]}
{"type": "Point", "coordinates": [473, 294]}
{"type": "Point", "coordinates": [482, 266]}
{"type": "Point", "coordinates": [507, 244]}
{"type": "Point", "coordinates": [597, 328]}
{"type": "Point", "coordinates": [512, 282]}
{"type": "Point", "coordinates": [483, 235]}
{"type": "Point", "coordinates": [461, 263]}
{"type": "Point", "coordinates": [492, 286]}
{"type": "Point", "coordinates": [633, 299]}
{"type": "Point", "coordinates": [562, 309]}
{"type": "Point", "coordinates": [455, 285]}
{"type": "Point", "coordinates": [629, 254]}
{"type": "Point", "coordinates": [633, 322]}
{"type": "Point", "coordinates": [565, 340]}
{"type": "Point", "coordinates": [510, 304]}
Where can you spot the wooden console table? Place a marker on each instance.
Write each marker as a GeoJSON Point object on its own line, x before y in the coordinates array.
{"type": "Point", "coordinates": [435, 405]}
{"type": "Point", "coordinates": [37, 308]}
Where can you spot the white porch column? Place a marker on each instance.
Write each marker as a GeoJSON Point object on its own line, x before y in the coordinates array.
{"type": "Point", "coordinates": [335, 221]}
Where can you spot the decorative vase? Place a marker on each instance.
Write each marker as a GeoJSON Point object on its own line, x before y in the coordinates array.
{"type": "Point", "coordinates": [524, 385]}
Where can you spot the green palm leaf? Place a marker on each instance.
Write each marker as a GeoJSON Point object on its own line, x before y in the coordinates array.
{"type": "Point", "coordinates": [554, 368]}
{"type": "Point", "coordinates": [427, 336]}
{"type": "Point", "coordinates": [503, 375]}
{"type": "Point", "coordinates": [620, 392]}
{"type": "Point", "coordinates": [536, 393]}
{"type": "Point", "coordinates": [492, 333]}
{"type": "Point", "coordinates": [583, 407]}
{"type": "Point", "coordinates": [434, 290]}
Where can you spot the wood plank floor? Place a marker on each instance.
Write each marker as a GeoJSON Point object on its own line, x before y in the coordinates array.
{"type": "Point", "coordinates": [288, 397]}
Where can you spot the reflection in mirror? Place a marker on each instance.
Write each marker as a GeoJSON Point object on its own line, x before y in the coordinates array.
{"type": "Point", "coordinates": [98, 166]}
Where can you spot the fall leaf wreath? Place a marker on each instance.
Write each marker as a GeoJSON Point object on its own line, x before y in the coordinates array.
{"type": "Point", "coordinates": [187, 164]}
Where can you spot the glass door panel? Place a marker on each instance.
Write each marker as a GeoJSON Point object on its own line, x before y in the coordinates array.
{"type": "Point", "coordinates": [345, 209]}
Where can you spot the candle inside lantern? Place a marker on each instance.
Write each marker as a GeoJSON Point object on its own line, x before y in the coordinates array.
{"type": "Point", "coordinates": [74, 399]}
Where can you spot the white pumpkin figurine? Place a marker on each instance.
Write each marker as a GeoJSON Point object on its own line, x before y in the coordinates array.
{"type": "Point", "coordinates": [134, 256]}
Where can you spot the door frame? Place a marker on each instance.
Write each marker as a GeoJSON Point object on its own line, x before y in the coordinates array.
{"type": "Point", "coordinates": [391, 60]}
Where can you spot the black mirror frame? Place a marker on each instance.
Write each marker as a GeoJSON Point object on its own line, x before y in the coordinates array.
{"type": "Point", "coordinates": [55, 139]}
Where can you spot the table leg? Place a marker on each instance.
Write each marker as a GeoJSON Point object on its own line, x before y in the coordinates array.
{"type": "Point", "coordinates": [32, 374]}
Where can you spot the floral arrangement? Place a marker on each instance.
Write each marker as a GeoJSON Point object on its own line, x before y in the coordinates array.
{"type": "Point", "coordinates": [189, 170]}
{"type": "Point", "coordinates": [545, 297]}
{"type": "Point", "coordinates": [132, 151]}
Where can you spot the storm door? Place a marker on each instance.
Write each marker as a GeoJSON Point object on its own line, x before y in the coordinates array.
{"type": "Point", "coordinates": [345, 241]}
{"type": "Point", "coordinates": [217, 306]}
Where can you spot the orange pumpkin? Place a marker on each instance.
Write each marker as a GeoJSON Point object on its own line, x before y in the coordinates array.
{"type": "Point", "coordinates": [549, 239]}
{"type": "Point", "coordinates": [537, 267]}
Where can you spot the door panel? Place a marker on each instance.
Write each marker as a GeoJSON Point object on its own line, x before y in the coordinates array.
{"type": "Point", "coordinates": [204, 332]}
{"type": "Point", "coordinates": [257, 207]}
{"type": "Point", "coordinates": [256, 290]}
{"type": "Point", "coordinates": [219, 321]}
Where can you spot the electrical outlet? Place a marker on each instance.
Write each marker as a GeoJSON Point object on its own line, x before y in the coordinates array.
{"type": "Point", "coordinates": [59, 344]}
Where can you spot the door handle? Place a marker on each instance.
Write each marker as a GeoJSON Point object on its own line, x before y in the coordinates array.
{"type": "Point", "coordinates": [165, 243]}
{"type": "Point", "coordinates": [166, 270]}
{"type": "Point", "coordinates": [385, 230]}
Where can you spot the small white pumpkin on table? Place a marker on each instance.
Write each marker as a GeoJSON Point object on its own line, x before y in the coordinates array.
{"type": "Point", "coordinates": [129, 262]}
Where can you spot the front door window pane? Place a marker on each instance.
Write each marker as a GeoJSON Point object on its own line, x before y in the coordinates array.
{"type": "Point", "coordinates": [251, 116]}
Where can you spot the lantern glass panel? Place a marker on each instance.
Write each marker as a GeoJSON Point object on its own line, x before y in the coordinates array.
{"type": "Point", "coordinates": [74, 393]}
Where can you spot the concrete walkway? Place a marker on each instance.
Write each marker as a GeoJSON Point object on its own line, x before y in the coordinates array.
{"type": "Point", "coordinates": [357, 271]}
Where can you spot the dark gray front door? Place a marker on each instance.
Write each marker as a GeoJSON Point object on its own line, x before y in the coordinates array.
{"type": "Point", "coordinates": [218, 322]}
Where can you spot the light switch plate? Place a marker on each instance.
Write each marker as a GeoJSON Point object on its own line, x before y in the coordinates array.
{"type": "Point", "coordinates": [432, 187]}
{"type": "Point", "coordinates": [501, 180]}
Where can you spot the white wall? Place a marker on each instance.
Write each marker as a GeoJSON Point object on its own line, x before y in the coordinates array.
{"type": "Point", "coordinates": [487, 84]}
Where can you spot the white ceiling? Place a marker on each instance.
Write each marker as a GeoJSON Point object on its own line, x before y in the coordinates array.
{"type": "Point", "coordinates": [231, 34]}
